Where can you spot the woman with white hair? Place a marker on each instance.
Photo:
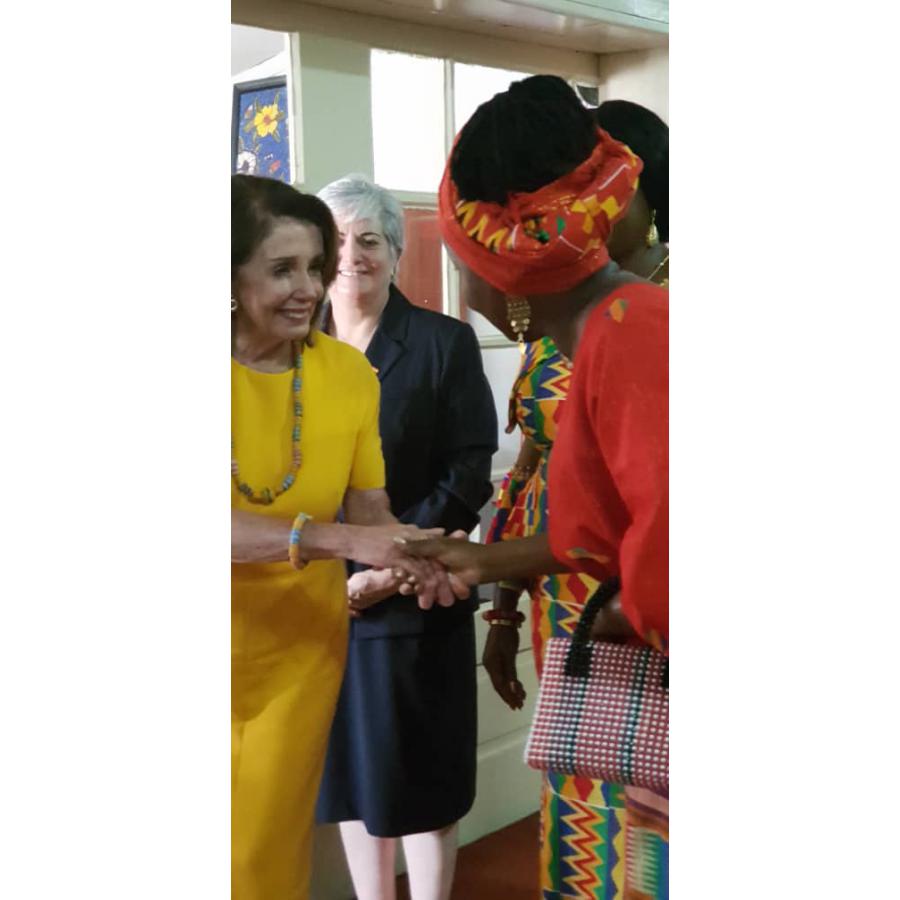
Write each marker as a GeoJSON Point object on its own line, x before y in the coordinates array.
{"type": "Point", "coordinates": [401, 759]}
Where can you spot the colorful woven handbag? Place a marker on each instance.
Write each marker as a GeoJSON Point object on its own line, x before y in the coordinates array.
{"type": "Point", "coordinates": [603, 709]}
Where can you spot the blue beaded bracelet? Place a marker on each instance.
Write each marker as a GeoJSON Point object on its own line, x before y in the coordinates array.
{"type": "Point", "coordinates": [294, 541]}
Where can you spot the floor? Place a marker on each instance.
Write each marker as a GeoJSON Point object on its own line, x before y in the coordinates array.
{"type": "Point", "coordinates": [501, 865]}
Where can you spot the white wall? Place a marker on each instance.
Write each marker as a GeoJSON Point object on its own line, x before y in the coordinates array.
{"type": "Point", "coordinates": [641, 76]}
{"type": "Point", "coordinates": [251, 46]}
{"type": "Point", "coordinates": [335, 108]}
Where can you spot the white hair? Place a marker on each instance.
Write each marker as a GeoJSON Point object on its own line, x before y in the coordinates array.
{"type": "Point", "coordinates": [355, 197]}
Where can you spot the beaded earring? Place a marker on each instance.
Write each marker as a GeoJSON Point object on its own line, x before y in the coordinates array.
{"type": "Point", "coordinates": [518, 312]}
{"type": "Point", "coordinates": [234, 305]}
{"type": "Point", "coordinates": [652, 238]}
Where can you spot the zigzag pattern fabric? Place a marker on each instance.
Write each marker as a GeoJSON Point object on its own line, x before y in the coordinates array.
{"type": "Point", "coordinates": [582, 819]}
{"type": "Point", "coordinates": [582, 838]}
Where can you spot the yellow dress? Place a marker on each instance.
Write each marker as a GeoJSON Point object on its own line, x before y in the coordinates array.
{"type": "Point", "coordinates": [289, 628]}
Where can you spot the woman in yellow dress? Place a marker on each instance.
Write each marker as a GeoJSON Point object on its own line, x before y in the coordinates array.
{"type": "Point", "coordinates": [305, 446]}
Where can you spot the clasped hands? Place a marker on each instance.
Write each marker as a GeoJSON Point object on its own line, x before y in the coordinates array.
{"type": "Point", "coordinates": [408, 574]}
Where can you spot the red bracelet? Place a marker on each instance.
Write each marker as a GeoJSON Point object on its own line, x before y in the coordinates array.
{"type": "Point", "coordinates": [503, 617]}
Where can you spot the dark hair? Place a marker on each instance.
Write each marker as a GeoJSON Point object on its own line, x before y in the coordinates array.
{"type": "Point", "coordinates": [520, 140]}
{"type": "Point", "coordinates": [647, 136]}
{"type": "Point", "coordinates": [257, 202]}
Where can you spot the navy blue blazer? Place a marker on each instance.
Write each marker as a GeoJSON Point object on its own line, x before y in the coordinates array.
{"type": "Point", "coordinates": [438, 434]}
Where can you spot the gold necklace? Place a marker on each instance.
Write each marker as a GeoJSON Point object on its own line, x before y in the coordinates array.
{"type": "Point", "coordinates": [665, 281]}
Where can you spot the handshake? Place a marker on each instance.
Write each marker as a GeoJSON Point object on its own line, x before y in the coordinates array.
{"type": "Point", "coordinates": [411, 561]}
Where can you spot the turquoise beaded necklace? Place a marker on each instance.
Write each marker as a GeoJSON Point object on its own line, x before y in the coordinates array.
{"type": "Point", "coordinates": [267, 496]}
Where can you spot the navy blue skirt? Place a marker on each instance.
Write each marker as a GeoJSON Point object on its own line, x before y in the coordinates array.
{"type": "Point", "coordinates": [401, 757]}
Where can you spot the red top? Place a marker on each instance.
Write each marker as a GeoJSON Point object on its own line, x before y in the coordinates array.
{"type": "Point", "coordinates": [609, 470]}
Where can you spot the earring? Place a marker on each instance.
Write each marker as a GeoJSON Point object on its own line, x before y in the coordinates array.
{"type": "Point", "coordinates": [234, 305]}
{"type": "Point", "coordinates": [652, 238]}
{"type": "Point", "coordinates": [518, 311]}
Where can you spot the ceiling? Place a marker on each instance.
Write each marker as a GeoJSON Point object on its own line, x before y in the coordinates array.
{"type": "Point", "coordinates": [585, 25]}
{"type": "Point", "coordinates": [251, 46]}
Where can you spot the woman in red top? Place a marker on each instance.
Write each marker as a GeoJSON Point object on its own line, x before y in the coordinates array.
{"type": "Point", "coordinates": [528, 202]}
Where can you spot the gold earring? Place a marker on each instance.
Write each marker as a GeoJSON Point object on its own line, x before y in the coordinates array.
{"type": "Point", "coordinates": [233, 305]}
{"type": "Point", "coordinates": [518, 311]}
{"type": "Point", "coordinates": [652, 238]}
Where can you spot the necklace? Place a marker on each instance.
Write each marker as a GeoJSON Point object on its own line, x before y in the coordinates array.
{"type": "Point", "coordinates": [267, 496]}
{"type": "Point", "coordinates": [665, 281]}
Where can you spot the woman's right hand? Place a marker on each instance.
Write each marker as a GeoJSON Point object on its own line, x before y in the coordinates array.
{"type": "Point", "coordinates": [381, 546]}
{"type": "Point", "coordinates": [499, 660]}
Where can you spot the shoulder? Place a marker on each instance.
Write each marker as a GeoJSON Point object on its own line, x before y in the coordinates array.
{"type": "Point", "coordinates": [440, 327]}
{"type": "Point", "coordinates": [634, 312]}
{"type": "Point", "coordinates": [626, 340]}
{"type": "Point", "coordinates": [340, 359]}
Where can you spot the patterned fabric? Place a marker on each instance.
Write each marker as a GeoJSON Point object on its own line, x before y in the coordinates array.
{"type": "Point", "coordinates": [535, 405]}
{"type": "Point", "coordinates": [582, 838]}
{"type": "Point", "coordinates": [609, 477]}
{"type": "Point", "coordinates": [613, 723]}
{"type": "Point", "coordinates": [583, 820]}
{"type": "Point", "coordinates": [646, 845]}
{"type": "Point", "coordinates": [549, 240]}
{"type": "Point", "coordinates": [535, 402]}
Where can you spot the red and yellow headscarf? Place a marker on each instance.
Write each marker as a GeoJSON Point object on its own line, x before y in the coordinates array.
{"type": "Point", "coordinates": [551, 239]}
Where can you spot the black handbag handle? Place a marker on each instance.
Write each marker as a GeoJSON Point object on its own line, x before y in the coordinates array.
{"type": "Point", "coordinates": [578, 659]}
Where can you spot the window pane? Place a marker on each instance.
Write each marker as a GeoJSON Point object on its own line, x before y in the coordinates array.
{"type": "Point", "coordinates": [407, 121]}
{"type": "Point", "coordinates": [420, 275]}
{"type": "Point", "coordinates": [472, 85]}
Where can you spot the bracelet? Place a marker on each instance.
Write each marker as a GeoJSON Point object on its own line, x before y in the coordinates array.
{"type": "Point", "coordinates": [294, 541]}
{"type": "Point", "coordinates": [511, 617]}
{"type": "Point", "coordinates": [522, 473]}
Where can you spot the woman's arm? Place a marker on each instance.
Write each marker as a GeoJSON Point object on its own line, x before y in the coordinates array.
{"type": "Point", "coordinates": [368, 507]}
{"type": "Point", "coordinates": [514, 482]}
{"type": "Point", "coordinates": [485, 563]}
{"type": "Point", "coordinates": [527, 460]}
{"type": "Point", "coordinates": [259, 539]}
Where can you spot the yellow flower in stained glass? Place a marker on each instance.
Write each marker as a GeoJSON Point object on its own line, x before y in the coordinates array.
{"type": "Point", "coordinates": [266, 120]}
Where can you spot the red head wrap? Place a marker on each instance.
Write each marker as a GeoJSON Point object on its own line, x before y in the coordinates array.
{"type": "Point", "coordinates": [551, 239]}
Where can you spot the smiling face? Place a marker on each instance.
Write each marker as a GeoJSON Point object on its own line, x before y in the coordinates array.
{"type": "Point", "coordinates": [366, 262]}
{"type": "Point", "coordinates": [278, 288]}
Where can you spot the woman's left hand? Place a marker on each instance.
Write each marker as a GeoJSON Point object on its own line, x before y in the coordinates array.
{"type": "Point", "coordinates": [365, 589]}
{"type": "Point", "coordinates": [611, 625]}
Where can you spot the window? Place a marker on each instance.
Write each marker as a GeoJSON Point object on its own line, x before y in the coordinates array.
{"type": "Point", "coordinates": [407, 121]}
{"type": "Point", "coordinates": [411, 129]}
{"type": "Point", "coordinates": [473, 85]}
